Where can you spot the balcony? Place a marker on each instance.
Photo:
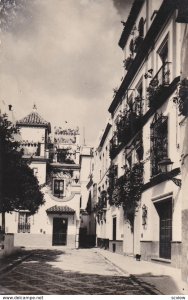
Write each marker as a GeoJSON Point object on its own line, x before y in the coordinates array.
{"type": "Point", "coordinates": [158, 85]}
{"type": "Point", "coordinates": [24, 227]}
{"type": "Point", "coordinates": [127, 126]}
{"type": "Point", "coordinates": [114, 145]}
{"type": "Point", "coordinates": [102, 203]}
{"type": "Point", "coordinates": [127, 62]}
{"type": "Point", "coordinates": [137, 43]}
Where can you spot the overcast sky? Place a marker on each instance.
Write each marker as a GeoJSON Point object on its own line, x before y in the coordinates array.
{"type": "Point", "coordinates": [64, 56]}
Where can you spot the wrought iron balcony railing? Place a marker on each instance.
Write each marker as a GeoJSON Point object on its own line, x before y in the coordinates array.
{"type": "Point", "coordinates": [114, 144]}
{"type": "Point", "coordinates": [126, 127]}
{"type": "Point", "coordinates": [159, 82]}
{"type": "Point", "coordinates": [162, 76]}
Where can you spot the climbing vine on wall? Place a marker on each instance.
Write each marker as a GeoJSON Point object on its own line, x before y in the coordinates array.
{"type": "Point", "coordinates": [126, 190]}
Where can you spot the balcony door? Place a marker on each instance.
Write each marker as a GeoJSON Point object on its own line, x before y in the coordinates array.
{"type": "Point", "coordinates": [163, 54]}
{"type": "Point", "coordinates": [59, 232]}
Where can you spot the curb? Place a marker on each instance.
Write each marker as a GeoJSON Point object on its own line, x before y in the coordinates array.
{"type": "Point", "coordinates": [154, 291]}
{"type": "Point", "coordinates": [13, 264]}
{"type": "Point", "coordinates": [121, 270]}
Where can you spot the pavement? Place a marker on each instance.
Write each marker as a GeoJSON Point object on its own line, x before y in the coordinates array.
{"type": "Point", "coordinates": [145, 276]}
{"type": "Point", "coordinates": [7, 263]}
{"type": "Point", "coordinates": [163, 278]}
{"type": "Point", "coordinates": [63, 271]}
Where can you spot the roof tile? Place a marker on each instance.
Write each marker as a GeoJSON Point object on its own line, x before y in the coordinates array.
{"type": "Point", "coordinates": [60, 209]}
{"type": "Point", "coordinates": [33, 119]}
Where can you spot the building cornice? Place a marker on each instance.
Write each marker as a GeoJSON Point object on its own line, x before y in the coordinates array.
{"type": "Point", "coordinates": [65, 166]}
{"type": "Point", "coordinates": [136, 7]}
{"type": "Point", "coordinates": [35, 159]}
{"type": "Point", "coordinates": [161, 178]}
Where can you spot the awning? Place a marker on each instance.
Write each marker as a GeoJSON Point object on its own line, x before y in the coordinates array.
{"type": "Point", "coordinates": [60, 210]}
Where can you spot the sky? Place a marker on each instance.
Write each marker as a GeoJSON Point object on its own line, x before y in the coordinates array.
{"type": "Point", "coordinates": [63, 55]}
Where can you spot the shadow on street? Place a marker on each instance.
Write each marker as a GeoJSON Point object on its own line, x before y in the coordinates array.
{"type": "Point", "coordinates": [37, 275]}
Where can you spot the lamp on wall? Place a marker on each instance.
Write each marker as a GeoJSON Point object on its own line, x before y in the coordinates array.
{"type": "Point", "coordinates": [76, 179]}
{"type": "Point", "coordinates": [165, 166]}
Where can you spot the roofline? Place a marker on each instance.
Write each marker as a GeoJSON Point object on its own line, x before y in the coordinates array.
{"type": "Point", "coordinates": [106, 131]}
{"type": "Point", "coordinates": [48, 126]}
{"type": "Point", "coordinates": [60, 212]}
{"type": "Point", "coordinates": [65, 166]}
{"type": "Point", "coordinates": [135, 9]}
{"type": "Point", "coordinates": [35, 158]}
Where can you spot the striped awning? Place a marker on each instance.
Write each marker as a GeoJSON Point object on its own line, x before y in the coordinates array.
{"type": "Point", "coordinates": [60, 210]}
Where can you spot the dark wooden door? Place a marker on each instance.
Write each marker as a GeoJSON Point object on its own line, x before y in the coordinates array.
{"type": "Point", "coordinates": [165, 213]}
{"type": "Point", "coordinates": [59, 232]}
{"type": "Point", "coordinates": [114, 229]}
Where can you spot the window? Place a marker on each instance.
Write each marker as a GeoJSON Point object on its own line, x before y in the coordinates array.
{"type": "Point", "coordinates": [116, 171]}
{"type": "Point", "coordinates": [139, 153]}
{"type": "Point", "coordinates": [128, 159]}
{"type": "Point", "coordinates": [62, 155]}
{"type": "Point", "coordinates": [59, 188]}
{"type": "Point", "coordinates": [80, 202]}
{"type": "Point", "coordinates": [159, 141]}
{"type": "Point", "coordinates": [131, 47]}
{"type": "Point", "coordinates": [24, 222]}
{"type": "Point", "coordinates": [35, 171]}
{"type": "Point", "coordinates": [141, 27]}
{"type": "Point", "coordinates": [163, 54]}
{"type": "Point", "coordinates": [138, 101]}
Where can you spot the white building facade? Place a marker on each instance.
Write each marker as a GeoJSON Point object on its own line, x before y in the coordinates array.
{"type": "Point", "coordinates": [144, 174]}
{"type": "Point", "coordinates": [56, 162]}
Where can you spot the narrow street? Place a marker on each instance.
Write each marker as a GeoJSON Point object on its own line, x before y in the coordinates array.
{"type": "Point", "coordinates": [69, 272]}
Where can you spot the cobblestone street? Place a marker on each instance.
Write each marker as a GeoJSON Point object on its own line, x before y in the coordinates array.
{"type": "Point", "coordinates": [69, 272]}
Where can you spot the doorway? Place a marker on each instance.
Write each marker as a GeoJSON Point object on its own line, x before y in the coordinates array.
{"type": "Point", "coordinates": [59, 232]}
{"type": "Point", "coordinates": [114, 229]}
{"type": "Point", "coordinates": [165, 230]}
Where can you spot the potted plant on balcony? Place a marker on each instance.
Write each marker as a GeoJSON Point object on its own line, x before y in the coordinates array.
{"type": "Point", "coordinates": [137, 42]}
{"type": "Point", "coordinates": [182, 97]}
{"type": "Point", "coordinates": [113, 144]}
{"type": "Point", "coordinates": [115, 90]}
{"type": "Point", "coordinates": [127, 62]}
{"type": "Point", "coordinates": [154, 89]}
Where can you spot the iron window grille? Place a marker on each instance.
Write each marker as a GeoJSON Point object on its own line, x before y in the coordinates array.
{"type": "Point", "coordinates": [159, 141]}
{"type": "Point", "coordinates": [24, 222]}
{"type": "Point", "coordinates": [58, 188]}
